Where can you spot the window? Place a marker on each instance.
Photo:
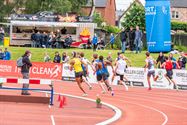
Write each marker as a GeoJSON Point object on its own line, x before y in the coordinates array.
{"type": "Point", "coordinates": [175, 15]}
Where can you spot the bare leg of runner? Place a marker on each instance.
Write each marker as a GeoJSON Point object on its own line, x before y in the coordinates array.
{"type": "Point", "coordinates": [87, 83]}
{"type": "Point", "coordinates": [126, 87]}
{"type": "Point", "coordinates": [149, 83]}
{"type": "Point", "coordinates": [109, 87]}
{"type": "Point", "coordinates": [78, 80]}
{"type": "Point", "coordinates": [102, 87]}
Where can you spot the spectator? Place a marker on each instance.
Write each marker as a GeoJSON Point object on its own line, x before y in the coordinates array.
{"type": "Point", "coordinates": [7, 54]}
{"type": "Point", "coordinates": [160, 60]}
{"type": "Point", "coordinates": [173, 60]}
{"type": "Point", "coordinates": [1, 54]}
{"type": "Point", "coordinates": [46, 39]}
{"type": "Point", "coordinates": [25, 70]}
{"type": "Point", "coordinates": [58, 39]}
{"type": "Point", "coordinates": [109, 58]}
{"type": "Point", "coordinates": [138, 39]}
{"type": "Point", "coordinates": [57, 58]}
{"type": "Point", "coordinates": [47, 58]}
{"type": "Point", "coordinates": [131, 38]}
{"type": "Point", "coordinates": [123, 36]}
{"type": "Point", "coordinates": [112, 40]}
{"type": "Point", "coordinates": [63, 31]}
{"type": "Point", "coordinates": [65, 58]}
{"type": "Point", "coordinates": [89, 44]}
{"type": "Point", "coordinates": [2, 34]}
{"type": "Point", "coordinates": [182, 61]}
{"type": "Point", "coordinates": [50, 40]}
{"type": "Point", "coordinates": [94, 42]}
{"type": "Point", "coordinates": [33, 39]}
{"type": "Point", "coordinates": [38, 36]}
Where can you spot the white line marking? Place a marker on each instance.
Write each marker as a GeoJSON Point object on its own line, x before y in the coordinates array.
{"type": "Point", "coordinates": [165, 116]}
{"type": "Point", "coordinates": [116, 117]}
{"type": "Point", "coordinates": [47, 96]}
{"type": "Point", "coordinates": [53, 120]}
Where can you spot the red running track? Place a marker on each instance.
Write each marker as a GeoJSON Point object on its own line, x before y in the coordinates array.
{"type": "Point", "coordinates": [139, 107]}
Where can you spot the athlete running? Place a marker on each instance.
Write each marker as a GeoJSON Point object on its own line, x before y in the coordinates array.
{"type": "Point", "coordinates": [151, 70]}
{"type": "Point", "coordinates": [168, 65]}
{"type": "Point", "coordinates": [85, 69]}
{"type": "Point", "coordinates": [76, 64]}
{"type": "Point", "coordinates": [120, 70]}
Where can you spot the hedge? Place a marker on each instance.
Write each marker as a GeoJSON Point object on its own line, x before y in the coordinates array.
{"type": "Point", "coordinates": [179, 26]}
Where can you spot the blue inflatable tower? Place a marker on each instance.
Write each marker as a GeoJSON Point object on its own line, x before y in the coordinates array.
{"type": "Point", "coordinates": [158, 25]}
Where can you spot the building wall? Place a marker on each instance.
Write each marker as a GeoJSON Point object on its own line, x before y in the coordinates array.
{"type": "Point", "coordinates": [108, 12]}
{"type": "Point", "coordinates": [182, 14]}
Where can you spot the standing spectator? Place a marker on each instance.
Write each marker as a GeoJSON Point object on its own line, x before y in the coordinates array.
{"type": "Point", "coordinates": [50, 40]}
{"type": "Point", "coordinates": [65, 57]}
{"type": "Point", "coordinates": [160, 60]}
{"type": "Point", "coordinates": [2, 34]}
{"type": "Point", "coordinates": [25, 70]}
{"type": "Point", "coordinates": [1, 54]}
{"type": "Point", "coordinates": [182, 61]}
{"type": "Point", "coordinates": [131, 38]}
{"type": "Point", "coordinates": [138, 39]}
{"type": "Point", "coordinates": [123, 36]}
{"type": "Point", "coordinates": [63, 31]}
{"type": "Point", "coordinates": [47, 58]}
{"type": "Point", "coordinates": [173, 60]}
{"type": "Point", "coordinates": [38, 35]}
{"type": "Point", "coordinates": [57, 58]}
{"type": "Point", "coordinates": [33, 39]}
{"type": "Point", "coordinates": [7, 54]}
{"type": "Point", "coordinates": [112, 40]}
{"type": "Point", "coordinates": [58, 39]}
{"type": "Point", "coordinates": [45, 39]}
{"type": "Point", "coordinates": [94, 42]}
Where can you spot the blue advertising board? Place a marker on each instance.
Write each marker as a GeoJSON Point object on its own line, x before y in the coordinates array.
{"type": "Point", "coordinates": [158, 26]}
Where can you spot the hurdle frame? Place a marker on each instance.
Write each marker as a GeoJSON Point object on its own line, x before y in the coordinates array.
{"type": "Point", "coordinates": [51, 91]}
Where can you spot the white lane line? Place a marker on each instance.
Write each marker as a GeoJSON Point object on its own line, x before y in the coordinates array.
{"type": "Point", "coordinates": [47, 96]}
{"type": "Point", "coordinates": [118, 112]}
{"type": "Point", "coordinates": [145, 106]}
{"type": "Point", "coordinates": [53, 120]}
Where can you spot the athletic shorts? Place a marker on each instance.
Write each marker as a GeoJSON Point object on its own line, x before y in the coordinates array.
{"type": "Point", "coordinates": [169, 74]}
{"type": "Point", "coordinates": [102, 77]}
{"type": "Point", "coordinates": [121, 76]}
{"type": "Point", "coordinates": [78, 74]}
{"type": "Point", "coordinates": [151, 73]}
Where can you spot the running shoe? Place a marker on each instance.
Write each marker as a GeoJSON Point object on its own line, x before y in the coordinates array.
{"type": "Point", "coordinates": [103, 92]}
{"type": "Point", "coordinates": [84, 95]}
{"type": "Point", "coordinates": [112, 93]}
{"type": "Point", "coordinates": [90, 88]}
{"type": "Point", "coordinates": [149, 88]}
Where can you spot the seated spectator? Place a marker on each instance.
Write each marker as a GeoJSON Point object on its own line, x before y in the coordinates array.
{"type": "Point", "coordinates": [1, 54]}
{"type": "Point", "coordinates": [182, 61]}
{"type": "Point", "coordinates": [89, 44]}
{"type": "Point", "coordinates": [47, 58]}
{"type": "Point", "coordinates": [7, 55]}
{"type": "Point", "coordinates": [160, 60]}
{"type": "Point", "coordinates": [57, 58]}
{"type": "Point", "coordinates": [65, 57]}
{"type": "Point", "coordinates": [109, 58]}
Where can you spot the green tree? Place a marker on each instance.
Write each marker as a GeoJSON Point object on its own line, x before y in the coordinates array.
{"type": "Point", "coordinates": [57, 6]}
{"type": "Point", "coordinates": [77, 4]}
{"type": "Point", "coordinates": [6, 9]}
{"type": "Point", "coordinates": [97, 18]}
{"type": "Point", "coordinates": [135, 16]}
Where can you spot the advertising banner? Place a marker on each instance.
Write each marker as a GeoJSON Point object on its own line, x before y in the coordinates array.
{"type": "Point", "coordinates": [158, 27]}
{"type": "Point", "coordinates": [38, 70]}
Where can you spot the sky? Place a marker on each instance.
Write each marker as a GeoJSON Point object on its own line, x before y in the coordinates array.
{"type": "Point", "coordinates": [123, 4]}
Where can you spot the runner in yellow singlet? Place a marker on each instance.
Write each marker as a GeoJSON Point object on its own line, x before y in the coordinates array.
{"type": "Point", "coordinates": [76, 64]}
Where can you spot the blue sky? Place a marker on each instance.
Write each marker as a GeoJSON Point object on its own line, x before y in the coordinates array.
{"type": "Point", "coordinates": [123, 4]}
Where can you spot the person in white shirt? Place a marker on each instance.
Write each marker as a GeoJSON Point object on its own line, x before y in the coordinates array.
{"type": "Point", "coordinates": [120, 70]}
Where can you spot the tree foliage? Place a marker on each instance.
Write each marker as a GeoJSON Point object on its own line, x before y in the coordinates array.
{"type": "Point", "coordinates": [97, 18]}
{"type": "Point", "coordinates": [135, 16]}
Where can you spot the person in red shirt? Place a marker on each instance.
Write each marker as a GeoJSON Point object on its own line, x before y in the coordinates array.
{"type": "Point", "coordinates": [168, 65]}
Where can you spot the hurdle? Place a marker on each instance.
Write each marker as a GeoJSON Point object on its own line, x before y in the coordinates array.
{"type": "Point", "coordinates": [29, 81]}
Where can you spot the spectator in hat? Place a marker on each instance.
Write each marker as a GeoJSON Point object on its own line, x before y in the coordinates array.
{"type": "Point", "coordinates": [25, 70]}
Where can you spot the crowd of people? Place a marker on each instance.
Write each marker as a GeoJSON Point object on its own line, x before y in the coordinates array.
{"type": "Point", "coordinates": [59, 39]}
